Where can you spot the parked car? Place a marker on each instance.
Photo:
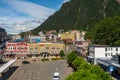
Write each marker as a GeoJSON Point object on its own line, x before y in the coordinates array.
{"type": "Point", "coordinates": [56, 76]}
{"type": "Point", "coordinates": [25, 62]}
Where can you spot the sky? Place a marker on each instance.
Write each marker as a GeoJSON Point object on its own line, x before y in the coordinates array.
{"type": "Point", "coordinates": [22, 15]}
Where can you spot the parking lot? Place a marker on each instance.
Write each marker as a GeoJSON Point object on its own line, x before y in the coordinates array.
{"type": "Point", "coordinates": [41, 70]}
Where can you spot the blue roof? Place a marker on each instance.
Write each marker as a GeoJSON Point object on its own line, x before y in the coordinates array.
{"type": "Point", "coordinates": [19, 40]}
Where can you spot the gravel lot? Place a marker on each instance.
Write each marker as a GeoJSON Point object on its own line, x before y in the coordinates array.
{"type": "Point", "coordinates": [39, 70]}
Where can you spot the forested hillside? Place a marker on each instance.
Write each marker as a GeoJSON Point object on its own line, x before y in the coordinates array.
{"type": "Point", "coordinates": [80, 14]}
{"type": "Point", "coordinates": [106, 32]}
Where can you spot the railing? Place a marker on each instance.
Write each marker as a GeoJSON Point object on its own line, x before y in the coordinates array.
{"type": "Point", "coordinates": [6, 65]}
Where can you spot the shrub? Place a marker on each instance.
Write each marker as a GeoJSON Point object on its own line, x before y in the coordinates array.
{"type": "Point", "coordinates": [62, 53]}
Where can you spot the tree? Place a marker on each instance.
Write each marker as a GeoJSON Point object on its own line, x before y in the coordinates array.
{"type": "Point", "coordinates": [87, 71]}
{"type": "Point", "coordinates": [62, 53]}
{"type": "Point", "coordinates": [93, 73]}
{"type": "Point", "coordinates": [77, 62]}
{"type": "Point", "coordinates": [71, 57]}
{"type": "Point", "coordinates": [106, 32]}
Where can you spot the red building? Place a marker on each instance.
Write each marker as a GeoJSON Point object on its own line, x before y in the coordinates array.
{"type": "Point", "coordinates": [19, 49]}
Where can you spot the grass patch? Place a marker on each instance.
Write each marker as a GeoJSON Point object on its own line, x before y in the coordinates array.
{"type": "Point", "coordinates": [54, 59]}
{"type": "Point", "coordinates": [45, 59]}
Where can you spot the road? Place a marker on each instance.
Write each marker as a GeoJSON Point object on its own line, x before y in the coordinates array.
{"type": "Point", "coordinates": [41, 71]}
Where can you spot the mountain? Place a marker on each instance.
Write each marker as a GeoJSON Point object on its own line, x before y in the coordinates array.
{"type": "Point", "coordinates": [80, 14]}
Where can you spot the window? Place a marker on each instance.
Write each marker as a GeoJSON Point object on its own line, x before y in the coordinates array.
{"type": "Point", "coordinates": [53, 48]}
{"type": "Point", "coordinates": [58, 48]}
{"type": "Point", "coordinates": [105, 54]}
{"type": "Point", "coordinates": [47, 47]}
{"type": "Point", "coordinates": [42, 48]}
{"type": "Point", "coordinates": [36, 48]}
{"type": "Point", "coordinates": [105, 49]}
{"type": "Point", "coordinates": [47, 55]}
{"type": "Point", "coordinates": [31, 48]}
{"type": "Point", "coordinates": [111, 54]}
{"type": "Point", "coordinates": [116, 49]}
{"type": "Point", "coordinates": [111, 49]}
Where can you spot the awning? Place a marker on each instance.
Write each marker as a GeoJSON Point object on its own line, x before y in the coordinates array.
{"type": "Point", "coordinates": [103, 62]}
{"type": "Point", "coordinates": [116, 65]}
{"type": "Point", "coordinates": [90, 56]}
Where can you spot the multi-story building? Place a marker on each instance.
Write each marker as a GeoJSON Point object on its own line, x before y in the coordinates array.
{"type": "Point", "coordinates": [19, 50]}
{"type": "Point", "coordinates": [67, 35]}
{"type": "Point", "coordinates": [102, 51]}
{"type": "Point", "coordinates": [50, 50]}
{"type": "Point", "coordinates": [107, 57]}
{"type": "Point", "coordinates": [14, 37]}
{"type": "Point", "coordinates": [33, 50]}
{"type": "Point", "coordinates": [36, 39]}
{"type": "Point", "coordinates": [82, 47]}
{"type": "Point", "coordinates": [43, 50]}
{"type": "Point", "coordinates": [51, 36]}
{"type": "Point", "coordinates": [3, 38]}
{"type": "Point", "coordinates": [77, 35]}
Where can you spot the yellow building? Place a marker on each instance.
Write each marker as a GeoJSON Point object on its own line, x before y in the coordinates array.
{"type": "Point", "coordinates": [45, 50]}
{"type": "Point", "coordinates": [50, 50]}
{"type": "Point", "coordinates": [67, 35]}
{"type": "Point", "coordinates": [33, 49]}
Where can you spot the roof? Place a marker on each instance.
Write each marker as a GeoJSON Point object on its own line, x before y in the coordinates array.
{"type": "Point", "coordinates": [98, 45]}
{"type": "Point", "coordinates": [56, 73]}
{"type": "Point", "coordinates": [108, 61]}
{"type": "Point", "coordinates": [90, 56]}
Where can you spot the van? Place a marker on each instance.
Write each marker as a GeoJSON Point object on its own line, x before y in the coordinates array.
{"type": "Point", "coordinates": [56, 76]}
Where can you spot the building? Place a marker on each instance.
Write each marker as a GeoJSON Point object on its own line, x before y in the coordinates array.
{"type": "Point", "coordinates": [3, 34]}
{"type": "Point", "coordinates": [102, 51]}
{"type": "Point", "coordinates": [42, 50]}
{"type": "Point", "coordinates": [36, 39]}
{"type": "Point", "coordinates": [19, 50]}
{"type": "Point", "coordinates": [33, 49]}
{"type": "Point", "coordinates": [79, 35]}
{"type": "Point", "coordinates": [66, 36]}
{"type": "Point", "coordinates": [3, 38]}
{"type": "Point", "coordinates": [82, 47]}
{"type": "Point", "coordinates": [82, 36]}
{"type": "Point", "coordinates": [51, 36]}
{"type": "Point", "coordinates": [14, 37]}
{"type": "Point", "coordinates": [50, 50]}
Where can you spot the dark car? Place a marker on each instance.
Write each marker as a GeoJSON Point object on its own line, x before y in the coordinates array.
{"type": "Point", "coordinates": [25, 62]}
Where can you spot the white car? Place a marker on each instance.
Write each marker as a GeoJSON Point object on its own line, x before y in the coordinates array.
{"type": "Point", "coordinates": [56, 76]}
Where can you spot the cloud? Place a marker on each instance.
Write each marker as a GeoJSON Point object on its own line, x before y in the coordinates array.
{"type": "Point", "coordinates": [20, 11]}
{"type": "Point", "coordinates": [66, 1]}
{"type": "Point", "coordinates": [31, 9]}
{"type": "Point", "coordinates": [20, 26]}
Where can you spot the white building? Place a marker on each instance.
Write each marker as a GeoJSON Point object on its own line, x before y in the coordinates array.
{"type": "Point", "coordinates": [33, 39]}
{"type": "Point", "coordinates": [102, 51]}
